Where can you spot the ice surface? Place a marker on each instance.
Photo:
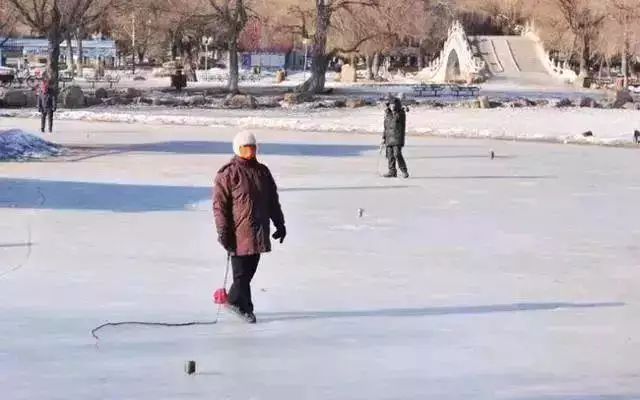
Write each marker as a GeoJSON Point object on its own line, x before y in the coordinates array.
{"type": "Point", "coordinates": [610, 127]}
{"type": "Point", "coordinates": [513, 278]}
{"type": "Point", "coordinates": [16, 144]}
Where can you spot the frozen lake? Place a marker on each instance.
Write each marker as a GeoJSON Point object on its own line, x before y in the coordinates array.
{"type": "Point", "coordinates": [512, 278]}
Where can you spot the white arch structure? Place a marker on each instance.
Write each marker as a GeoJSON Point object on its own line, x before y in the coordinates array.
{"type": "Point", "coordinates": [457, 47]}
{"type": "Point", "coordinates": [555, 68]}
{"type": "Point", "coordinates": [515, 58]}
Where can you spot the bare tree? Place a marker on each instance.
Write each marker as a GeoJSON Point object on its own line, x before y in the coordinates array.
{"type": "Point", "coordinates": [187, 21]}
{"type": "Point", "coordinates": [319, 22]}
{"type": "Point", "coordinates": [54, 18]}
{"type": "Point", "coordinates": [437, 16]}
{"type": "Point", "coordinates": [8, 21]}
{"type": "Point", "coordinates": [622, 31]}
{"type": "Point", "coordinates": [584, 20]}
{"type": "Point", "coordinates": [502, 15]}
{"type": "Point", "coordinates": [265, 32]}
{"type": "Point", "coordinates": [135, 26]}
{"type": "Point", "coordinates": [388, 27]}
{"type": "Point", "coordinates": [178, 24]}
{"type": "Point", "coordinates": [231, 16]}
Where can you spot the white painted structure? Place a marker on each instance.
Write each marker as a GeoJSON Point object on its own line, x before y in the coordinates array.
{"type": "Point", "coordinates": [513, 58]}
{"type": "Point", "coordinates": [554, 67]}
{"type": "Point", "coordinates": [456, 60]}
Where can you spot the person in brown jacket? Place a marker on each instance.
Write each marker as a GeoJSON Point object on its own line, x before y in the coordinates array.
{"type": "Point", "coordinates": [245, 201]}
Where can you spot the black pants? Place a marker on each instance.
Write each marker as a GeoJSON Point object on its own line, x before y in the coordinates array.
{"type": "Point", "coordinates": [244, 267]}
{"type": "Point", "coordinates": [394, 153]}
{"type": "Point", "coordinates": [43, 117]}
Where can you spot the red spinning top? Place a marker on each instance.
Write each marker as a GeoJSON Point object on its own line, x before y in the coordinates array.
{"type": "Point", "coordinates": [220, 296]}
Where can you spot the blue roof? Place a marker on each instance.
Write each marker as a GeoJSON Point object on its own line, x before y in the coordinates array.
{"type": "Point", "coordinates": [42, 42]}
{"type": "Point", "coordinates": [91, 48]}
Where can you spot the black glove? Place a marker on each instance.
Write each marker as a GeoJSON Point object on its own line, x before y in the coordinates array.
{"type": "Point", "coordinates": [280, 233]}
{"type": "Point", "coordinates": [227, 242]}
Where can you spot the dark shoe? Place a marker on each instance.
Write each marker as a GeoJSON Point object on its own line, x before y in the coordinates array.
{"type": "Point", "coordinates": [251, 318]}
{"type": "Point", "coordinates": [246, 316]}
{"type": "Point", "coordinates": [390, 175]}
{"type": "Point", "coordinates": [234, 309]}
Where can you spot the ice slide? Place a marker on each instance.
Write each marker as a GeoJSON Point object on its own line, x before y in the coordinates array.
{"type": "Point", "coordinates": [512, 58]}
{"type": "Point", "coordinates": [516, 60]}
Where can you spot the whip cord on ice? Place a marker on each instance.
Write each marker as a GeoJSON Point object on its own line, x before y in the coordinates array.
{"type": "Point", "coordinates": [28, 243]}
{"type": "Point", "coordinates": [26, 257]}
{"type": "Point", "coordinates": [168, 324]}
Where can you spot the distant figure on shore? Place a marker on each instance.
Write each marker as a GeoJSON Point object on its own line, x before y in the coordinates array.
{"type": "Point", "coordinates": [47, 103]}
{"type": "Point", "coordinates": [395, 118]}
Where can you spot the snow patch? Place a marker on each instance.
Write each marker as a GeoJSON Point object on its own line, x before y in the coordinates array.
{"type": "Point", "coordinates": [16, 144]}
{"type": "Point", "coordinates": [610, 127]}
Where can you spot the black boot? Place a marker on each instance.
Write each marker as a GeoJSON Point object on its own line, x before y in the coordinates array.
{"type": "Point", "coordinates": [390, 175]}
{"type": "Point", "coordinates": [251, 317]}
{"type": "Point", "coordinates": [246, 316]}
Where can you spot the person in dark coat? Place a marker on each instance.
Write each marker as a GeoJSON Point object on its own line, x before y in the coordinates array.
{"type": "Point", "coordinates": [393, 137]}
{"type": "Point", "coordinates": [47, 104]}
{"type": "Point", "coordinates": [245, 201]}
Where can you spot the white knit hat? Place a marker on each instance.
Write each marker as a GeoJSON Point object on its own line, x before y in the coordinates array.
{"type": "Point", "coordinates": [243, 138]}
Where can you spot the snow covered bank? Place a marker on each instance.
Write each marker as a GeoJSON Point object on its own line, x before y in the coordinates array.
{"type": "Point", "coordinates": [16, 144]}
{"type": "Point", "coordinates": [609, 127]}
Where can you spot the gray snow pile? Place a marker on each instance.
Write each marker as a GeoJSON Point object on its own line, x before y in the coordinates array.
{"type": "Point", "coordinates": [16, 144]}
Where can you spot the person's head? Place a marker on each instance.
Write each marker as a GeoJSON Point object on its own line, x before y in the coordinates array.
{"type": "Point", "coordinates": [245, 145]}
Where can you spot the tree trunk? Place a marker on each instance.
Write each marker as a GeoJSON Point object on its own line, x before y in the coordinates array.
{"type": "Point", "coordinates": [585, 57]}
{"type": "Point", "coordinates": [54, 37]}
{"type": "Point", "coordinates": [173, 42]}
{"type": "Point", "coordinates": [70, 61]}
{"type": "Point", "coordinates": [187, 47]}
{"type": "Point", "coordinates": [600, 69]}
{"type": "Point", "coordinates": [386, 66]}
{"type": "Point", "coordinates": [319, 59]}
{"type": "Point", "coordinates": [625, 63]}
{"type": "Point", "coordinates": [234, 75]}
{"type": "Point", "coordinates": [376, 64]}
{"type": "Point", "coordinates": [421, 56]}
{"type": "Point", "coordinates": [174, 50]}
{"type": "Point", "coordinates": [189, 71]}
{"type": "Point", "coordinates": [369, 62]}
{"type": "Point", "coordinates": [79, 36]}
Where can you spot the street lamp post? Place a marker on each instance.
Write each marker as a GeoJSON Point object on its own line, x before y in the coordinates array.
{"type": "Point", "coordinates": [206, 41]}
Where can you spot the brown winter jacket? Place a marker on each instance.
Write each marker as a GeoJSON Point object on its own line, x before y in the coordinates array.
{"type": "Point", "coordinates": [245, 199]}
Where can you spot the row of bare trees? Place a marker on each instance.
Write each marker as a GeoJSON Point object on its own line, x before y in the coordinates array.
{"type": "Point", "coordinates": [57, 20]}
{"type": "Point", "coordinates": [582, 30]}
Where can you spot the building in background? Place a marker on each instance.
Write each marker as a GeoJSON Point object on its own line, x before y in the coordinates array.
{"type": "Point", "coordinates": [14, 51]}
{"type": "Point", "coordinates": [264, 47]}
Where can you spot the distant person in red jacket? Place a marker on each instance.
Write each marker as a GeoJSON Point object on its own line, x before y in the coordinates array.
{"type": "Point", "coordinates": [245, 201]}
{"type": "Point", "coordinates": [47, 104]}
